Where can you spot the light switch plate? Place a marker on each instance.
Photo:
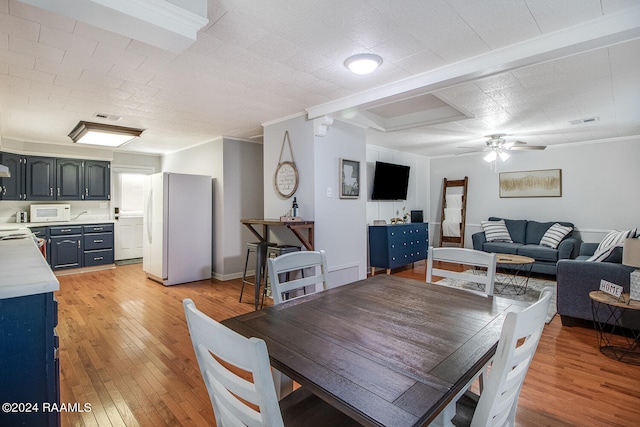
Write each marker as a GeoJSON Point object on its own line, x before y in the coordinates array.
{"type": "Point", "coordinates": [329, 192]}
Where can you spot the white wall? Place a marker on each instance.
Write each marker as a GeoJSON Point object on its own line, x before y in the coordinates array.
{"type": "Point", "coordinates": [340, 225]}
{"type": "Point", "coordinates": [599, 187]}
{"type": "Point", "coordinates": [417, 192]}
{"type": "Point", "coordinates": [243, 198]}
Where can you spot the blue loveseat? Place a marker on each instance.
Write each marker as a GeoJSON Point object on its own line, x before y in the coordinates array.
{"type": "Point", "coordinates": [526, 236]}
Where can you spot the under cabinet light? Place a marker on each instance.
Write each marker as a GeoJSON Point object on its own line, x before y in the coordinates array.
{"type": "Point", "coordinates": [101, 134]}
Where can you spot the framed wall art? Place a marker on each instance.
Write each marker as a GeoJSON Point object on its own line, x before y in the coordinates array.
{"type": "Point", "coordinates": [349, 179]}
{"type": "Point", "coordinates": [537, 183]}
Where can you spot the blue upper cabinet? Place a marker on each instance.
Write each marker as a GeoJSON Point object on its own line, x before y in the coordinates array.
{"type": "Point", "coordinates": [40, 178]}
{"type": "Point", "coordinates": [69, 179]}
{"type": "Point", "coordinates": [13, 188]}
{"type": "Point", "coordinates": [97, 180]}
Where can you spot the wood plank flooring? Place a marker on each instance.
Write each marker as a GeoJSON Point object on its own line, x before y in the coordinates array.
{"type": "Point", "coordinates": [125, 350]}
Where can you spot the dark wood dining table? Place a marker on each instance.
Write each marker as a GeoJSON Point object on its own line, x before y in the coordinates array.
{"type": "Point", "coordinates": [386, 350]}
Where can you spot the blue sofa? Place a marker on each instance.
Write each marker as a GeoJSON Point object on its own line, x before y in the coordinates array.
{"type": "Point", "coordinates": [526, 236]}
{"type": "Point", "coordinates": [577, 277]}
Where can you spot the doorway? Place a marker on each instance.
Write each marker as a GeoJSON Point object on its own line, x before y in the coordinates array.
{"type": "Point", "coordinates": [128, 189]}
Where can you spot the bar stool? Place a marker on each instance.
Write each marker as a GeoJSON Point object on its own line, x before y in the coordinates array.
{"type": "Point", "coordinates": [273, 252]}
{"type": "Point", "coordinates": [260, 248]}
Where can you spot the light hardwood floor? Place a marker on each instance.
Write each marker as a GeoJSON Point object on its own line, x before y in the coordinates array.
{"type": "Point", "coordinates": [125, 350]}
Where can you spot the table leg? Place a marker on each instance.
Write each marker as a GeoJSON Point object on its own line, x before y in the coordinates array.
{"type": "Point", "coordinates": [264, 237]}
{"type": "Point", "coordinates": [284, 384]}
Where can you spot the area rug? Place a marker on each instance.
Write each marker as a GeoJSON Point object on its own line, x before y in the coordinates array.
{"type": "Point", "coordinates": [534, 288]}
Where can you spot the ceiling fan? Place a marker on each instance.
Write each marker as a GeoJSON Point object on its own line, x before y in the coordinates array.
{"type": "Point", "coordinates": [497, 146]}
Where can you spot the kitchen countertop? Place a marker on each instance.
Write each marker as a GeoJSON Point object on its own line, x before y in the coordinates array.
{"type": "Point", "coordinates": [16, 225]}
{"type": "Point", "coordinates": [23, 269]}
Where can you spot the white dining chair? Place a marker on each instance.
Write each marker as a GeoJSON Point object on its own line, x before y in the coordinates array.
{"type": "Point", "coordinates": [498, 401]}
{"type": "Point", "coordinates": [237, 375]}
{"type": "Point", "coordinates": [313, 263]}
{"type": "Point", "coordinates": [467, 257]}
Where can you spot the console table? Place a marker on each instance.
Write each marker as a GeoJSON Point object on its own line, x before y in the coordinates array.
{"type": "Point", "coordinates": [395, 245]}
{"type": "Point", "coordinates": [294, 226]}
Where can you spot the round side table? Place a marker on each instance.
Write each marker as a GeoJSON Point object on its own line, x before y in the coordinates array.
{"type": "Point", "coordinates": [514, 271]}
{"type": "Point", "coordinates": [617, 322]}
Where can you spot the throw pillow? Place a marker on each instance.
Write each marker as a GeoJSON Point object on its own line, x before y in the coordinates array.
{"type": "Point", "coordinates": [609, 243]}
{"type": "Point", "coordinates": [496, 231]}
{"type": "Point", "coordinates": [554, 235]}
{"type": "Point", "coordinates": [615, 237]}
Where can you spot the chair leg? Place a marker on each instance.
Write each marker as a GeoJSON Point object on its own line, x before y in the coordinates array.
{"type": "Point", "coordinates": [261, 255]}
{"type": "Point", "coordinates": [244, 274]}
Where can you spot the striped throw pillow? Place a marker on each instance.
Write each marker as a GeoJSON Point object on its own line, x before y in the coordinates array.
{"type": "Point", "coordinates": [554, 235]}
{"type": "Point", "coordinates": [609, 243]}
{"type": "Point", "coordinates": [496, 231]}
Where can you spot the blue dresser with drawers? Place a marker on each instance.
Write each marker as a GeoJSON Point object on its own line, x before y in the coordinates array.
{"type": "Point", "coordinates": [392, 246]}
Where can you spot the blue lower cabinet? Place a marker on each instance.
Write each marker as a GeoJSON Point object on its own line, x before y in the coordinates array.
{"type": "Point", "coordinates": [66, 251]}
{"type": "Point", "coordinates": [29, 368]}
{"type": "Point", "coordinates": [98, 244]}
{"type": "Point", "coordinates": [75, 246]}
{"type": "Point", "coordinates": [392, 246]}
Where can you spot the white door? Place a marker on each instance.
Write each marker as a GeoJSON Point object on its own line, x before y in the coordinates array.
{"type": "Point", "coordinates": [129, 237]}
{"type": "Point", "coordinates": [128, 201]}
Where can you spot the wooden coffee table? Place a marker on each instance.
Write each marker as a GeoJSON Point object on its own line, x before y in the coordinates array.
{"type": "Point", "coordinates": [513, 271]}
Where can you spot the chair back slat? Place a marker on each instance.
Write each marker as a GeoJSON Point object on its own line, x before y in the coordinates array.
{"type": "Point", "coordinates": [312, 263]}
{"type": "Point", "coordinates": [467, 257]}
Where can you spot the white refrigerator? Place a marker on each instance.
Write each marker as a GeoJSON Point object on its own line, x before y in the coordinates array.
{"type": "Point", "coordinates": [177, 228]}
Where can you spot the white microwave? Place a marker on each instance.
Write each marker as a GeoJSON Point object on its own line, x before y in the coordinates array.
{"type": "Point", "coordinates": [50, 213]}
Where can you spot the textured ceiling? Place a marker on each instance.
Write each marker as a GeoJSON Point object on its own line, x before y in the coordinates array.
{"type": "Point", "coordinates": [525, 68]}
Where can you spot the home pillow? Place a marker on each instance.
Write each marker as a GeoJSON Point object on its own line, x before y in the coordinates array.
{"type": "Point", "coordinates": [554, 235]}
{"type": "Point", "coordinates": [609, 243]}
{"type": "Point", "coordinates": [496, 231]}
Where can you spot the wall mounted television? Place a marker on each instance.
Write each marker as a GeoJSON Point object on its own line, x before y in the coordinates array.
{"type": "Point", "coordinates": [390, 182]}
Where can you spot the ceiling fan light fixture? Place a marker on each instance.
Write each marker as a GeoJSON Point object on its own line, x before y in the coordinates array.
{"type": "Point", "coordinates": [504, 156]}
{"type": "Point", "coordinates": [102, 134]}
{"type": "Point", "coordinates": [490, 157]}
{"type": "Point", "coordinates": [363, 63]}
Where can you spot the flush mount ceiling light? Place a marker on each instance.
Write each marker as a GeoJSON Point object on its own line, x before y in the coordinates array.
{"type": "Point", "coordinates": [363, 63]}
{"type": "Point", "coordinates": [101, 134]}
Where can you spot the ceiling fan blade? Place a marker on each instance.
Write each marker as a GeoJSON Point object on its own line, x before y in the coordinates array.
{"type": "Point", "coordinates": [469, 152]}
{"type": "Point", "coordinates": [527, 147]}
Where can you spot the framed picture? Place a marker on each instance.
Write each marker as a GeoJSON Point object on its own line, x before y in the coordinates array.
{"type": "Point", "coordinates": [539, 183]}
{"type": "Point", "coordinates": [349, 179]}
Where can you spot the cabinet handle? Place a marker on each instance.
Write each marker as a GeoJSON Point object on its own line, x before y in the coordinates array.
{"type": "Point", "coordinates": [78, 244]}
{"type": "Point", "coordinates": [51, 191]}
{"type": "Point", "coordinates": [58, 191]}
{"type": "Point", "coordinates": [98, 258]}
{"type": "Point", "coordinates": [98, 228]}
{"type": "Point", "coordinates": [65, 230]}
{"type": "Point", "coordinates": [86, 192]}
{"type": "Point", "coordinates": [98, 241]}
